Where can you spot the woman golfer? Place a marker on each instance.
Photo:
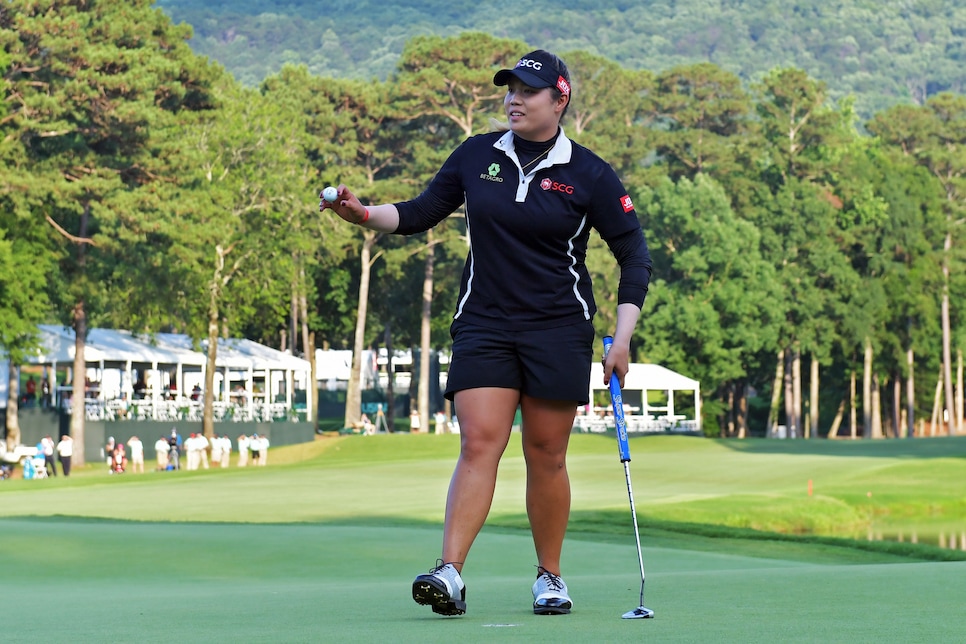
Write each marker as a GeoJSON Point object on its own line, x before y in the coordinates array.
{"type": "Point", "coordinates": [522, 331]}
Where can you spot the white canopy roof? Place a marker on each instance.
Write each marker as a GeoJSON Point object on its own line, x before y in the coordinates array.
{"type": "Point", "coordinates": [118, 346]}
{"type": "Point", "coordinates": [182, 343]}
{"type": "Point", "coordinates": [646, 377]}
{"type": "Point", "coordinates": [57, 345]}
{"type": "Point", "coordinates": [262, 356]}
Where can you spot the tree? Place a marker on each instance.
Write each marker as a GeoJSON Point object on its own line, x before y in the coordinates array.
{"type": "Point", "coordinates": [90, 86]}
{"type": "Point", "coordinates": [713, 304]}
{"type": "Point", "coordinates": [611, 111]}
{"type": "Point", "coordinates": [934, 135]}
{"type": "Point", "coordinates": [705, 114]}
{"type": "Point", "coordinates": [239, 203]}
{"type": "Point", "coordinates": [26, 258]}
{"type": "Point", "coordinates": [798, 218]}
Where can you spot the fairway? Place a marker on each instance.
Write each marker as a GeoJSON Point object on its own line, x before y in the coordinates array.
{"type": "Point", "coordinates": [323, 544]}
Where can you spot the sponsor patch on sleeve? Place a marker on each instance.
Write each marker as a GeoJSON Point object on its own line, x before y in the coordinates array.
{"type": "Point", "coordinates": [626, 203]}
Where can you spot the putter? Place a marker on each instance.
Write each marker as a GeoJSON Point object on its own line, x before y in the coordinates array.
{"type": "Point", "coordinates": [617, 401]}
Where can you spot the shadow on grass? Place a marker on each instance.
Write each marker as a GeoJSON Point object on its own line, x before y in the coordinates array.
{"type": "Point", "coordinates": [615, 527]}
{"type": "Point", "coordinates": [918, 448]}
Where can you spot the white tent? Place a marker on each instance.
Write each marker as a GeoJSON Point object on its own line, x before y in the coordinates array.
{"type": "Point", "coordinates": [112, 356]}
{"type": "Point", "coordinates": [57, 346]}
{"type": "Point", "coordinates": [243, 360]}
{"type": "Point", "coordinates": [642, 378]}
{"type": "Point", "coordinates": [168, 365]}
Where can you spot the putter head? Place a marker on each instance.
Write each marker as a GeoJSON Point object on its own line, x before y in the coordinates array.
{"type": "Point", "coordinates": [638, 613]}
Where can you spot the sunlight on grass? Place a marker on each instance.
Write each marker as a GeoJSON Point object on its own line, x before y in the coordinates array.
{"type": "Point", "coordinates": [882, 489]}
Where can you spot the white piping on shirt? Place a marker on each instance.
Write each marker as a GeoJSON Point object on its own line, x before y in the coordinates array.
{"type": "Point", "coordinates": [573, 262]}
{"type": "Point", "coordinates": [472, 262]}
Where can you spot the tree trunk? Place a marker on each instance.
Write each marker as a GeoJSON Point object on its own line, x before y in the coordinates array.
{"type": "Point", "coordinates": [353, 397]}
{"type": "Point", "coordinates": [947, 365]}
{"type": "Point", "coordinates": [910, 394]}
{"type": "Point", "coordinates": [776, 392]}
{"type": "Point", "coordinates": [294, 315]}
{"type": "Point", "coordinates": [308, 353]}
{"type": "Point", "coordinates": [78, 409]}
{"type": "Point", "coordinates": [743, 410]}
{"type": "Point", "coordinates": [797, 391]}
{"type": "Point", "coordinates": [833, 431]}
{"type": "Point", "coordinates": [959, 391]}
{"type": "Point", "coordinates": [390, 383]}
{"type": "Point", "coordinates": [937, 405]}
{"type": "Point", "coordinates": [78, 405]}
{"type": "Point", "coordinates": [218, 281]}
{"type": "Point", "coordinates": [853, 415]}
{"type": "Point", "coordinates": [813, 396]}
{"type": "Point", "coordinates": [727, 421]}
{"type": "Point", "coordinates": [208, 412]}
{"type": "Point", "coordinates": [896, 405]}
{"type": "Point", "coordinates": [312, 388]}
{"type": "Point", "coordinates": [867, 390]}
{"type": "Point", "coordinates": [13, 406]}
{"type": "Point", "coordinates": [424, 334]}
{"type": "Point", "coordinates": [876, 407]}
{"type": "Point", "coordinates": [789, 386]}
{"type": "Point", "coordinates": [304, 317]}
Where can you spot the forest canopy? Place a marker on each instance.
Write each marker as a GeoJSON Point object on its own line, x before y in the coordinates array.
{"type": "Point", "coordinates": [881, 52]}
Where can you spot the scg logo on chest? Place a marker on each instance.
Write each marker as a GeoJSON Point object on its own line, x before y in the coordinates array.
{"type": "Point", "coordinates": [549, 184]}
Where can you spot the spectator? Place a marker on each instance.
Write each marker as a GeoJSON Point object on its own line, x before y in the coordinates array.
{"type": "Point", "coordinates": [262, 450]}
{"type": "Point", "coordinates": [440, 422]}
{"type": "Point", "coordinates": [191, 452]}
{"type": "Point", "coordinates": [216, 450]}
{"type": "Point", "coordinates": [225, 450]}
{"type": "Point", "coordinates": [48, 446]}
{"type": "Point", "coordinates": [65, 450]}
{"type": "Point", "coordinates": [244, 443]}
{"type": "Point", "coordinates": [414, 420]}
{"type": "Point", "coordinates": [176, 444]}
{"type": "Point", "coordinates": [137, 454]}
{"type": "Point", "coordinates": [109, 453]}
{"type": "Point", "coordinates": [202, 450]}
{"type": "Point", "coordinates": [162, 449]}
{"type": "Point", "coordinates": [381, 424]}
{"type": "Point", "coordinates": [196, 392]}
{"type": "Point", "coordinates": [31, 396]}
{"type": "Point", "coordinates": [255, 444]}
{"type": "Point", "coordinates": [119, 460]}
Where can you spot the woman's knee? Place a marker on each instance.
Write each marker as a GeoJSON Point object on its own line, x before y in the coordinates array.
{"type": "Point", "coordinates": [482, 446]}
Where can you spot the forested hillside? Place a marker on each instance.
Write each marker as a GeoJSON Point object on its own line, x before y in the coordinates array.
{"type": "Point", "coordinates": [806, 273]}
{"type": "Point", "coordinates": [883, 52]}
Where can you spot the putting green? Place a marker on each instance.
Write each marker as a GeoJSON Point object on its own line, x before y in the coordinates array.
{"type": "Point", "coordinates": [150, 582]}
{"type": "Point", "coordinates": [323, 544]}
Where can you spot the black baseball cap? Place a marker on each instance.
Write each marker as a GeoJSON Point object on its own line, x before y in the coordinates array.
{"type": "Point", "coordinates": [538, 69]}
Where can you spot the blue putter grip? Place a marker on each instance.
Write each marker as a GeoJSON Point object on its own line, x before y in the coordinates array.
{"type": "Point", "coordinates": [617, 401]}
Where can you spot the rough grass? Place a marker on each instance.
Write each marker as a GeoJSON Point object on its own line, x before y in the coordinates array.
{"type": "Point", "coordinates": [754, 490]}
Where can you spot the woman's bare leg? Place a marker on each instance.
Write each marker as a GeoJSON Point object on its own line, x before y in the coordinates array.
{"type": "Point", "coordinates": [486, 417]}
{"type": "Point", "coordinates": [547, 425]}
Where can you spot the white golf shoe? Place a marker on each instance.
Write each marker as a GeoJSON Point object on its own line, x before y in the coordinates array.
{"type": "Point", "coordinates": [442, 590]}
{"type": "Point", "coordinates": [550, 594]}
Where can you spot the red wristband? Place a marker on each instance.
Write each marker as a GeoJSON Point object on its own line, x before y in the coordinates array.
{"type": "Point", "coordinates": [365, 218]}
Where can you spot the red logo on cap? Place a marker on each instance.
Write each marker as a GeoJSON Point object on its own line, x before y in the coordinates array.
{"type": "Point", "coordinates": [563, 86]}
{"type": "Point", "coordinates": [626, 203]}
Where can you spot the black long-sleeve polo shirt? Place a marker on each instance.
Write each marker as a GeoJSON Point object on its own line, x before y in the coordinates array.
{"type": "Point", "coordinates": [528, 232]}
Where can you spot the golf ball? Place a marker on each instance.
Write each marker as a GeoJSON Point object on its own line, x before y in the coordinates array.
{"type": "Point", "coordinates": [330, 194]}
